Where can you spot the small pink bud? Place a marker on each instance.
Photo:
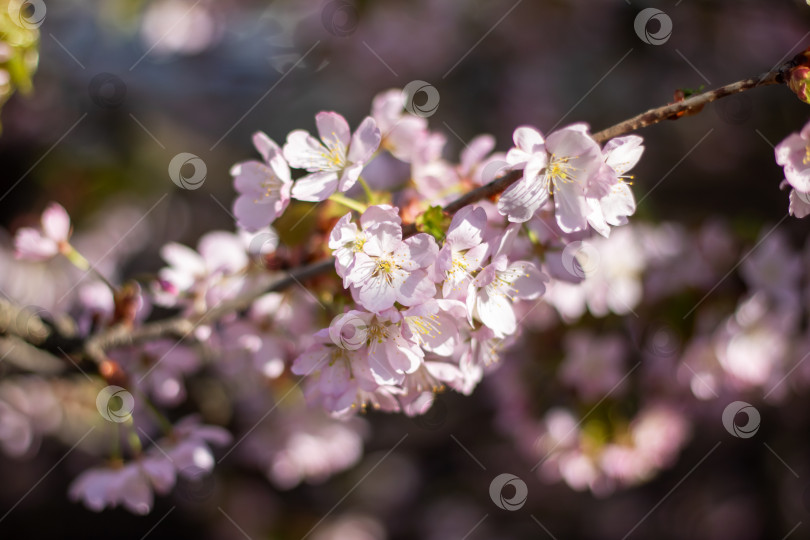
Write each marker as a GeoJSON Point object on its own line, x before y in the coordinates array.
{"type": "Point", "coordinates": [798, 82]}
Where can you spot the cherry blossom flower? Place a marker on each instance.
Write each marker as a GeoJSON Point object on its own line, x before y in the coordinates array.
{"type": "Point", "coordinates": [562, 166]}
{"type": "Point", "coordinates": [132, 485]}
{"type": "Point", "coordinates": [336, 161]}
{"type": "Point", "coordinates": [189, 446]}
{"type": "Point", "coordinates": [206, 276]}
{"type": "Point", "coordinates": [401, 131]}
{"type": "Point", "coordinates": [611, 268]}
{"type": "Point", "coordinates": [436, 180]}
{"type": "Point", "coordinates": [463, 251]}
{"type": "Point", "coordinates": [344, 379]}
{"type": "Point", "coordinates": [264, 187]}
{"type": "Point", "coordinates": [388, 269]}
{"type": "Point", "coordinates": [29, 409]}
{"type": "Point", "coordinates": [793, 154]}
{"type": "Point", "coordinates": [432, 325]}
{"type": "Point", "coordinates": [753, 344]}
{"type": "Point", "coordinates": [494, 289]}
{"type": "Point", "coordinates": [47, 241]}
{"type": "Point", "coordinates": [610, 198]}
{"type": "Point", "coordinates": [334, 374]}
{"type": "Point", "coordinates": [774, 268]}
{"type": "Point", "coordinates": [390, 354]}
{"type": "Point", "coordinates": [305, 445]}
{"type": "Point", "coordinates": [347, 240]}
{"type": "Point", "coordinates": [478, 165]}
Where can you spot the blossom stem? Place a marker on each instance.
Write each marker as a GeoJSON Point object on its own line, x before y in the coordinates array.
{"type": "Point", "coordinates": [367, 189]}
{"type": "Point", "coordinates": [116, 453]}
{"type": "Point", "coordinates": [347, 202]}
{"type": "Point", "coordinates": [133, 439]}
{"type": "Point", "coordinates": [163, 422]}
{"type": "Point", "coordinates": [79, 261]}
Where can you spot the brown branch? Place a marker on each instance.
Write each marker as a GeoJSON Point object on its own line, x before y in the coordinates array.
{"type": "Point", "coordinates": [693, 104]}
{"type": "Point", "coordinates": [96, 346]}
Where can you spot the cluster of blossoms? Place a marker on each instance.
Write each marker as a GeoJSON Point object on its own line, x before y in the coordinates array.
{"type": "Point", "coordinates": [419, 301]}
{"type": "Point", "coordinates": [428, 315]}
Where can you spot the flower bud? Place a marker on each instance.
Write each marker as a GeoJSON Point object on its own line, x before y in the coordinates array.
{"type": "Point", "coordinates": [799, 79]}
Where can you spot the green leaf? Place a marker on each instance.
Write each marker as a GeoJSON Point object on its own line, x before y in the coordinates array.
{"type": "Point", "coordinates": [434, 222]}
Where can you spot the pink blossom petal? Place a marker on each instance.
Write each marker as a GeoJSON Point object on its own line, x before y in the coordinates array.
{"type": "Point", "coordinates": [467, 227]}
{"type": "Point", "coordinates": [303, 151]}
{"type": "Point", "coordinates": [476, 151]}
{"type": "Point", "coordinates": [311, 360]}
{"type": "Point", "coordinates": [418, 287]}
{"type": "Point", "coordinates": [623, 153]}
{"type": "Point", "coordinates": [423, 249]}
{"type": "Point", "coordinates": [349, 176]}
{"type": "Point", "coordinates": [315, 187]}
{"type": "Point", "coordinates": [332, 127]}
{"type": "Point", "coordinates": [135, 492]}
{"type": "Point", "coordinates": [266, 146]}
{"type": "Point", "coordinates": [799, 203]}
{"type": "Point", "coordinates": [403, 357]}
{"type": "Point", "coordinates": [497, 313]}
{"type": "Point", "coordinates": [56, 223]}
{"type": "Point", "coordinates": [380, 369]}
{"type": "Point", "coordinates": [335, 378]}
{"type": "Point", "coordinates": [161, 473]}
{"type": "Point", "coordinates": [365, 141]}
{"type": "Point", "coordinates": [528, 139]}
{"type": "Point", "coordinates": [379, 214]}
{"type": "Point", "coordinates": [183, 258]}
{"type": "Point", "coordinates": [522, 199]}
{"type": "Point", "coordinates": [377, 295]}
{"type": "Point", "coordinates": [529, 283]}
{"type": "Point", "coordinates": [619, 204]}
{"type": "Point", "coordinates": [30, 245]}
{"type": "Point", "coordinates": [570, 207]}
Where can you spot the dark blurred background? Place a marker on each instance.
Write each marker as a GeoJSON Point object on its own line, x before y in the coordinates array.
{"type": "Point", "coordinates": [123, 86]}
